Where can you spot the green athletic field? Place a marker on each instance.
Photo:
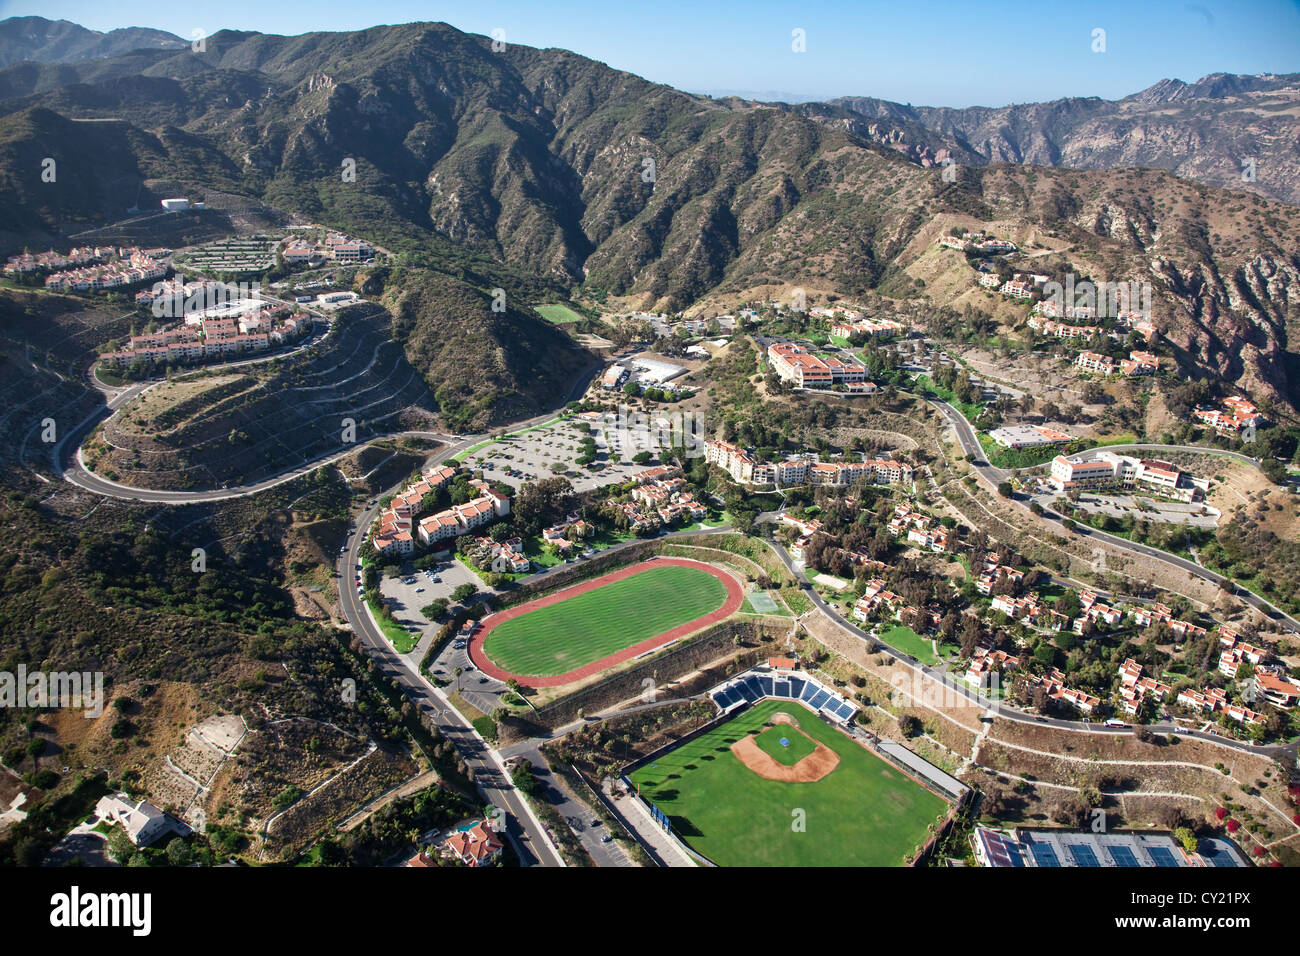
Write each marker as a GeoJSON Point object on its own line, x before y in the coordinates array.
{"type": "Point", "coordinates": [578, 630]}
{"type": "Point", "coordinates": [559, 314]}
{"type": "Point", "coordinates": [864, 813]}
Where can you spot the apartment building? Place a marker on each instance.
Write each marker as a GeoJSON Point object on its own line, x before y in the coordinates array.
{"type": "Point", "coordinates": [1237, 413]}
{"type": "Point", "coordinates": [1135, 688]}
{"type": "Point", "coordinates": [462, 519]}
{"type": "Point", "coordinates": [986, 663]}
{"type": "Point", "coordinates": [1275, 687]}
{"type": "Point", "coordinates": [876, 328]}
{"type": "Point", "coordinates": [1053, 682]}
{"type": "Point", "coordinates": [1095, 362]}
{"type": "Point", "coordinates": [743, 467]}
{"type": "Point", "coordinates": [796, 364]}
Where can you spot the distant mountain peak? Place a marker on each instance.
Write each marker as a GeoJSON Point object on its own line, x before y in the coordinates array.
{"type": "Point", "coordinates": [39, 40]}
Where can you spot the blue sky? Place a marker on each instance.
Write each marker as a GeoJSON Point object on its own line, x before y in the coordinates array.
{"type": "Point", "coordinates": [924, 52]}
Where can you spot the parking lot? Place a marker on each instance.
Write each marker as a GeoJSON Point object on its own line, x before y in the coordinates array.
{"type": "Point", "coordinates": [1135, 506]}
{"type": "Point", "coordinates": [550, 451]}
{"type": "Point", "coordinates": [406, 599]}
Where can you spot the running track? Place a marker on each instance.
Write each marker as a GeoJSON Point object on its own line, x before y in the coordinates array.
{"type": "Point", "coordinates": [735, 597]}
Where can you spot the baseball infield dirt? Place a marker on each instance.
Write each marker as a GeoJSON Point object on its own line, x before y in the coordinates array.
{"type": "Point", "coordinates": [812, 767]}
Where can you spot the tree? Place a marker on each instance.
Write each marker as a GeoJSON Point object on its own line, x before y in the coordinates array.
{"type": "Point", "coordinates": [970, 636]}
{"type": "Point", "coordinates": [1004, 489]}
{"type": "Point", "coordinates": [178, 852]}
{"type": "Point", "coordinates": [464, 592]}
{"type": "Point", "coordinates": [541, 504]}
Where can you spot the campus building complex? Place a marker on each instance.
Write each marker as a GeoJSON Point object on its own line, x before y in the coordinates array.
{"type": "Point", "coordinates": [1111, 470]}
{"type": "Point", "coordinates": [743, 467]}
{"type": "Point", "coordinates": [797, 365]}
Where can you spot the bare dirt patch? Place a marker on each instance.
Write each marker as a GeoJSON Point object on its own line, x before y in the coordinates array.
{"type": "Point", "coordinates": [811, 768]}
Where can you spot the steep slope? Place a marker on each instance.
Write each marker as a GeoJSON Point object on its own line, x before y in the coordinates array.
{"type": "Point", "coordinates": [1203, 131]}
{"type": "Point", "coordinates": [531, 167]}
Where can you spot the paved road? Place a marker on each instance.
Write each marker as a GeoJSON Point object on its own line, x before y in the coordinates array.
{"type": "Point", "coordinates": [1003, 710]}
{"type": "Point", "coordinates": [535, 848]}
{"type": "Point", "coordinates": [1091, 453]}
{"type": "Point", "coordinates": [490, 775]}
{"type": "Point", "coordinates": [579, 816]}
{"type": "Point", "coordinates": [994, 476]}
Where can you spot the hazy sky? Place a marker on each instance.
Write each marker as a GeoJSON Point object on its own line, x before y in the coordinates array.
{"type": "Point", "coordinates": [919, 51]}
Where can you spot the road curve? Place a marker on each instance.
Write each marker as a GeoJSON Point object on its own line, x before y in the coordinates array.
{"type": "Point", "coordinates": [996, 707]}
{"type": "Point", "coordinates": [994, 476]}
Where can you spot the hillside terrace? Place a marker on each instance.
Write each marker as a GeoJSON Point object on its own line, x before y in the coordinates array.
{"type": "Point", "coordinates": [133, 265]}
{"type": "Point", "coordinates": [200, 337]}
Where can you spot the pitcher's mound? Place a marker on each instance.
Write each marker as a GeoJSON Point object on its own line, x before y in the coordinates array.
{"type": "Point", "coordinates": [811, 768]}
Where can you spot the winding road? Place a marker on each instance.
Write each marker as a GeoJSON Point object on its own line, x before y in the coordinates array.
{"type": "Point", "coordinates": [992, 477]}
{"type": "Point", "coordinates": [526, 832]}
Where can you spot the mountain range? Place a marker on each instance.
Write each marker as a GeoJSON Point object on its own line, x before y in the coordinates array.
{"type": "Point", "coordinates": [556, 169]}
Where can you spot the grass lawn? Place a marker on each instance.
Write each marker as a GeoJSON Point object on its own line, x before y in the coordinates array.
{"type": "Point", "coordinates": [403, 641]}
{"type": "Point", "coordinates": [864, 813]}
{"type": "Point", "coordinates": [798, 602]}
{"type": "Point", "coordinates": [467, 710]}
{"type": "Point", "coordinates": [559, 314]}
{"type": "Point", "coordinates": [970, 412]}
{"type": "Point", "coordinates": [578, 630]}
{"type": "Point", "coordinates": [909, 642]}
{"type": "Point", "coordinates": [795, 748]}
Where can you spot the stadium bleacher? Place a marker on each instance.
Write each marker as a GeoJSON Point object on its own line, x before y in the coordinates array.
{"type": "Point", "coordinates": [755, 687]}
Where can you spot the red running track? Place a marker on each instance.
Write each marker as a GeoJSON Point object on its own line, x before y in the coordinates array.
{"type": "Point", "coordinates": [735, 597]}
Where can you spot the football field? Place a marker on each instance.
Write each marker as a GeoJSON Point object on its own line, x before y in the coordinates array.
{"type": "Point", "coordinates": [602, 617]}
{"type": "Point", "coordinates": [865, 812]}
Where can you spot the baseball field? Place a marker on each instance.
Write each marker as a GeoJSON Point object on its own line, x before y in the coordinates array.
{"type": "Point", "coordinates": [864, 812]}
{"type": "Point", "coordinates": [592, 625]}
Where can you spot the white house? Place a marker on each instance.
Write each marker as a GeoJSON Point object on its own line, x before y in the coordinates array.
{"type": "Point", "coordinates": [144, 823]}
